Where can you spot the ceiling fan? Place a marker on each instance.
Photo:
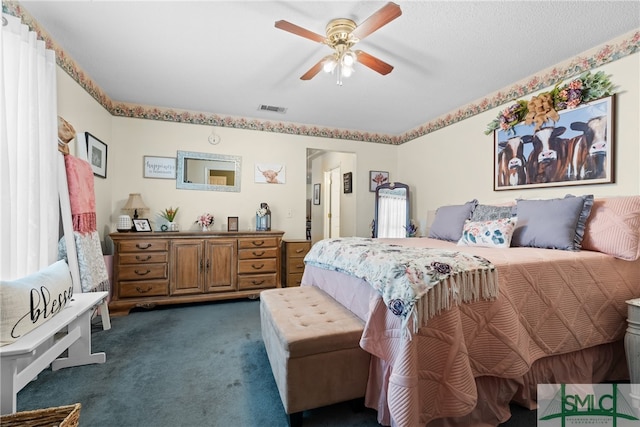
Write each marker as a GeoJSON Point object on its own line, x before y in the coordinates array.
{"type": "Point", "coordinates": [342, 35]}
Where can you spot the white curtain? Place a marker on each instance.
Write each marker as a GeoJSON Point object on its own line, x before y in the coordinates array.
{"type": "Point", "coordinates": [392, 214]}
{"type": "Point", "coordinates": [29, 213]}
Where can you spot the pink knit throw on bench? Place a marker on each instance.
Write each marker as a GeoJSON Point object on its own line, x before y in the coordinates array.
{"type": "Point", "coordinates": [81, 194]}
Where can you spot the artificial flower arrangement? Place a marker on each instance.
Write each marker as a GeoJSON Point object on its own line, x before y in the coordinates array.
{"type": "Point", "coordinates": [169, 214]}
{"type": "Point", "coordinates": [261, 212]}
{"type": "Point", "coordinates": [205, 220]}
{"type": "Point", "coordinates": [585, 88]}
{"type": "Point", "coordinates": [412, 229]}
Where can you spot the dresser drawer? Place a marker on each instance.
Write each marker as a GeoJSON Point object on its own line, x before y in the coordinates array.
{"type": "Point", "coordinates": [295, 265]}
{"type": "Point", "coordinates": [144, 289]}
{"type": "Point", "coordinates": [143, 246]}
{"type": "Point", "coordinates": [257, 242]}
{"type": "Point", "coordinates": [143, 272]}
{"type": "Point", "coordinates": [257, 281]}
{"type": "Point", "coordinates": [298, 249]}
{"type": "Point", "coordinates": [294, 279]}
{"type": "Point", "coordinates": [257, 266]}
{"type": "Point", "coordinates": [141, 258]}
{"type": "Point", "coordinates": [257, 253]}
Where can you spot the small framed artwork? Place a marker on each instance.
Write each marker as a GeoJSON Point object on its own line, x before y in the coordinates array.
{"type": "Point", "coordinates": [377, 178]}
{"type": "Point", "coordinates": [97, 154]}
{"type": "Point", "coordinates": [232, 223]}
{"type": "Point", "coordinates": [316, 194]}
{"type": "Point", "coordinates": [159, 167]}
{"type": "Point", "coordinates": [270, 173]}
{"type": "Point", "coordinates": [347, 177]}
{"type": "Point", "coordinates": [141, 224]}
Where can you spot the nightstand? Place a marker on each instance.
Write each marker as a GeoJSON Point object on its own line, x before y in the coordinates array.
{"type": "Point", "coordinates": [632, 348]}
{"type": "Point", "coordinates": [293, 253]}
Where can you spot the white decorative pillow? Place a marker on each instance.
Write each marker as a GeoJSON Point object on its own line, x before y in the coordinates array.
{"type": "Point", "coordinates": [28, 302]}
{"type": "Point", "coordinates": [490, 234]}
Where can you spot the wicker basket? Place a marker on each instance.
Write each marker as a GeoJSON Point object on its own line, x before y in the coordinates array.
{"type": "Point", "coordinates": [62, 416]}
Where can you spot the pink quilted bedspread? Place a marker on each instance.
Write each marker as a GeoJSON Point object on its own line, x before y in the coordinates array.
{"type": "Point", "coordinates": [551, 302]}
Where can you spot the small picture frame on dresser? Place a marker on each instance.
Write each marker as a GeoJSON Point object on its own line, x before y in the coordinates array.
{"type": "Point", "coordinates": [232, 223]}
{"type": "Point", "coordinates": [142, 224]}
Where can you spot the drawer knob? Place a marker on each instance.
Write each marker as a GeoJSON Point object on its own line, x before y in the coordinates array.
{"type": "Point", "coordinates": [258, 243]}
{"type": "Point", "coordinates": [140, 273]}
{"type": "Point", "coordinates": [139, 258]}
{"type": "Point", "coordinates": [257, 282]}
{"type": "Point", "coordinates": [299, 251]}
{"type": "Point", "coordinates": [257, 267]}
{"type": "Point", "coordinates": [139, 246]}
{"type": "Point", "coordinates": [143, 291]}
{"type": "Point", "coordinates": [255, 253]}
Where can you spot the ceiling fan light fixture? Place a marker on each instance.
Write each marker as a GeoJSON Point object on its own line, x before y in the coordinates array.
{"type": "Point", "coordinates": [347, 71]}
{"type": "Point", "coordinates": [329, 64]}
{"type": "Point", "coordinates": [349, 58]}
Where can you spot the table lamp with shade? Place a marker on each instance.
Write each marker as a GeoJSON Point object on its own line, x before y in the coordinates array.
{"type": "Point", "coordinates": [135, 204]}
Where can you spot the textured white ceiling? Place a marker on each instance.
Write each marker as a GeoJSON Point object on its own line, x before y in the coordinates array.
{"type": "Point", "coordinates": [227, 58]}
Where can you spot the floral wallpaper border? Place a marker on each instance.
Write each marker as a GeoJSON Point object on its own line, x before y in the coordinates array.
{"type": "Point", "coordinates": [623, 46]}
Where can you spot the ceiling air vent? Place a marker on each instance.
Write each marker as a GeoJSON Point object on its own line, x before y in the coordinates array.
{"type": "Point", "coordinates": [272, 108]}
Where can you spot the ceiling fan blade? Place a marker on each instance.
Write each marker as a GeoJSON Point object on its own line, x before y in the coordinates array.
{"type": "Point", "coordinates": [374, 63]}
{"type": "Point", "coordinates": [383, 16]}
{"type": "Point", "coordinates": [302, 32]}
{"type": "Point", "coordinates": [312, 71]}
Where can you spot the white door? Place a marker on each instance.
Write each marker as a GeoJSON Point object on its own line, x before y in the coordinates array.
{"type": "Point", "coordinates": [332, 206]}
{"type": "Point", "coordinates": [334, 200]}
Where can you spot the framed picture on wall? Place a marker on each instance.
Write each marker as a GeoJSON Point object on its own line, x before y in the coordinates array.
{"type": "Point", "coordinates": [347, 182]}
{"type": "Point", "coordinates": [159, 167]}
{"type": "Point", "coordinates": [316, 194]}
{"type": "Point", "coordinates": [377, 178]}
{"type": "Point", "coordinates": [577, 149]}
{"type": "Point", "coordinates": [97, 154]}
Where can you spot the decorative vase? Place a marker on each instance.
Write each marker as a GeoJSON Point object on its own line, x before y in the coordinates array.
{"type": "Point", "coordinates": [172, 226]}
{"type": "Point", "coordinates": [124, 223]}
{"type": "Point", "coordinates": [205, 228]}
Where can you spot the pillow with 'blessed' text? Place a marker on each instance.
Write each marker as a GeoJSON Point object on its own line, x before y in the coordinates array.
{"type": "Point", "coordinates": [30, 301]}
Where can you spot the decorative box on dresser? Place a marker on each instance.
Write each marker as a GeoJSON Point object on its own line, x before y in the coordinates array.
{"type": "Point", "coordinates": [293, 253]}
{"type": "Point", "coordinates": [158, 268]}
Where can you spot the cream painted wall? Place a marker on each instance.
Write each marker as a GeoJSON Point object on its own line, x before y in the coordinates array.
{"type": "Point", "coordinates": [455, 164]}
{"type": "Point", "coordinates": [128, 140]}
{"type": "Point", "coordinates": [83, 112]}
{"type": "Point", "coordinates": [449, 166]}
{"type": "Point", "coordinates": [134, 138]}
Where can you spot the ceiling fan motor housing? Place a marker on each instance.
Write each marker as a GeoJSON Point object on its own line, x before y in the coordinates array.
{"type": "Point", "coordinates": [339, 32]}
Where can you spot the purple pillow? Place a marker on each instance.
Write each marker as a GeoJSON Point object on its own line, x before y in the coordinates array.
{"type": "Point", "coordinates": [449, 221]}
{"type": "Point", "coordinates": [550, 224]}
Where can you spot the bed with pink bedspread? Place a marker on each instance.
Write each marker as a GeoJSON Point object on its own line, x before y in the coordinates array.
{"type": "Point", "coordinates": [558, 317]}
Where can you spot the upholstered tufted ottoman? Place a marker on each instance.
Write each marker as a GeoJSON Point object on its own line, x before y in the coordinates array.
{"type": "Point", "coordinates": [312, 342]}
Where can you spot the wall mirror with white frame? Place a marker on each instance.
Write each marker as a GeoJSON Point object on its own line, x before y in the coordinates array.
{"type": "Point", "coordinates": [206, 171]}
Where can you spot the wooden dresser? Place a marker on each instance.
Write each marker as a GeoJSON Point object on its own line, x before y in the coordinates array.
{"type": "Point", "coordinates": [156, 268]}
{"type": "Point", "coordinates": [293, 253]}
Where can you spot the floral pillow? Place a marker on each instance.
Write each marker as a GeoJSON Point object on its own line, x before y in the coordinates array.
{"type": "Point", "coordinates": [492, 234]}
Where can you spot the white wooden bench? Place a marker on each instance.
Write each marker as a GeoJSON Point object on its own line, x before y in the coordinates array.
{"type": "Point", "coordinates": [23, 360]}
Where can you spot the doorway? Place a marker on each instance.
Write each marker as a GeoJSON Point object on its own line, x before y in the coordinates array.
{"type": "Point", "coordinates": [325, 168]}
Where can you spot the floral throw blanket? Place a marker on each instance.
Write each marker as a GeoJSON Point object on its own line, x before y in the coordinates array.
{"type": "Point", "coordinates": [404, 276]}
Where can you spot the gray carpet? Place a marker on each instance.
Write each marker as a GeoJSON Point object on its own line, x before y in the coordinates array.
{"type": "Point", "coordinates": [191, 365]}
